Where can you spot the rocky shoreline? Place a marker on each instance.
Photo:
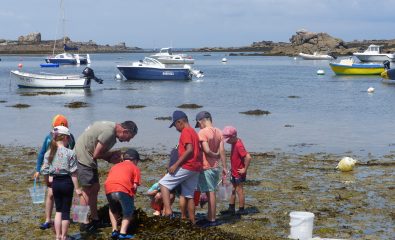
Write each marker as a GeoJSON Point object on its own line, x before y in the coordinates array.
{"type": "Point", "coordinates": [347, 205]}
{"type": "Point", "coordinates": [301, 41]}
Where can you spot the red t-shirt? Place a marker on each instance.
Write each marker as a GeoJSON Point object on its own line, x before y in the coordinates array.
{"type": "Point", "coordinates": [189, 136]}
{"type": "Point", "coordinates": [122, 177]}
{"type": "Point", "coordinates": [237, 155]}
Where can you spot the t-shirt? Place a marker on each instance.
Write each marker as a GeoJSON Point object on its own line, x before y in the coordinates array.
{"type": "Point", "coordinates": [154, 187]}
{"type": "Point", "coordinates": [45, 146]}
{"type": "Point", "coordinates": [63, 163]}
{"type": "Point", "coordinates": [213, 136]}
{"type": "Point", "coordinates": [189, 136]}
{"type": "Point", "coordinates": [122, 177]}
{"type": "Point", "coordinates": [103, 132]}
{"type": "Point", "coordinates": [237, 155]}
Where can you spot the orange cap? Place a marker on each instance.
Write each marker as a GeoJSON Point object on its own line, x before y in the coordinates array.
{"type": "Point", "coordinates": [60, 120]}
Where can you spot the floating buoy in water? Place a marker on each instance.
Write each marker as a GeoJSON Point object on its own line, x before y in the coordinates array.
{"type": "Point", "coordinates": [118, 76]}
{"type": "Point", "coordinates": [295, 58]}
{"type": "Point", "coordinates": [320, 72]}
{"type": "Point", "coordinates": [224, 60]}
{"type": "Point", "coordinates": [20, 65]}
{"type": "Point", "coordinates": [346, 164]}
{"type": "Point", "coordinates": [371, 89]}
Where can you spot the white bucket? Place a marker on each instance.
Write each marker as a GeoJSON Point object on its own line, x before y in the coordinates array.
{"type": "Point", "coordinates": [301, 225]}
{"type": "Point", "coordinates": [224, 191]}
{"type": "Point", "coordinates": [37, 193]}
{"type": "Point", "coordinates": [80, 213]}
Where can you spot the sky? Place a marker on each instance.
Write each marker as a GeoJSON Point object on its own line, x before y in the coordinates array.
{"type": "Point", "coordinates": [196, 23]}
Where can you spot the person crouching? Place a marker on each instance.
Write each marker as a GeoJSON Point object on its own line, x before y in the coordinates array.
{"type": "Point", "coordinates": [120, 188]}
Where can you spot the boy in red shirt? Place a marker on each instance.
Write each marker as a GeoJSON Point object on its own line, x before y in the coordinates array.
{"type": "Point", "coordinates": [185, 171]}
{"type": "Point", "coordinates": [240, 160]}
{"type": "Point", "coordinates": [120, 187]}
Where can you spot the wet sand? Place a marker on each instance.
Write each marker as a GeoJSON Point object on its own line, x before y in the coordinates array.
{"type": "Point", "coordinates": [358, 204]}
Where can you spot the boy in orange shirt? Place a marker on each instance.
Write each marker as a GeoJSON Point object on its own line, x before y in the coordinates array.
{"type": "Point", "coordinates": [120, 187]}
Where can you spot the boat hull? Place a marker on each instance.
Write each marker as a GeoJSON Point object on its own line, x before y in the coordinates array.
{"type": "Point", "coordinates": [357, 69]}
{"type": "Point", "coordinates": [150, 73]}
{"type": "Point", "coordinates": [28, 80]}
{"type": "Point", "coordinates": [388, 74]}
{"type": "Point", "coordinates": [65, 61]}
{"type": "Point", "coordinates": [375, 58]}
{"type": "Point", "coordinates": [315, 57]}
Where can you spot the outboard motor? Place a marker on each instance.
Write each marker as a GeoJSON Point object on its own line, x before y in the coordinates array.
{"type": "Point", "coordinates": [332, 55]}
{"type": "Point", "coordinates": [88, 73]}
{"type": "Point", "coordinates": [386, 64]}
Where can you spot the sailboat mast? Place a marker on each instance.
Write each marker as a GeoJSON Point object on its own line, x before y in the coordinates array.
{"type": "Point", "coordinates": [63, 21]}
{"type": "Point", "coordinates": [57, 27]}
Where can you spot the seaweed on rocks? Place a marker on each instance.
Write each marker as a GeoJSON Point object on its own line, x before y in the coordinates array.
{"type": "Point", "coordinates": [20, 105]}
{"type": "Point", "coordinates": [256, 112]}
{"type": "Point", "coordinates": [135, 106]}
{"type": "Point", "coordinates": [76, 104]}
{"type": "Point", "coordinates": [163, 118]}
{"type": "Point", "coordinates": [30, 94]}
{"type": "Point", "coordinates": [189, 105]}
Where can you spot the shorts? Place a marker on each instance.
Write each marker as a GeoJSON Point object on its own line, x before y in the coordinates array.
{"type": "Point", "coordinates": [87, 176]}
{"type": "Point", "coordinates": [208, 180]}
{"type": "Point", "coordinates": [237, 180]}
{"type": "Point", "coordinates": [121, 202]}
{"type": "Point", "coordinates": [188, 181]}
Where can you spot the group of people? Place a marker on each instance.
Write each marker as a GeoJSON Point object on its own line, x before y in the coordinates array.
{"type": "Point", "coordinates": [68, 165]}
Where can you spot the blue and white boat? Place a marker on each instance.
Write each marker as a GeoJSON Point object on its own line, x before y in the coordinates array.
{"type": "Point", "coordinates": [152, 69]}
{"type": "Point", "coordinates": [69, 58]}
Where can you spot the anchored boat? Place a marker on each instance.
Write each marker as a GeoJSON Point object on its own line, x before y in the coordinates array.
{"type": "Point", "coordinates": [152, 69]}
{"type": "Point", "coordinates": [350, 67]}
{"type": "Point", "coordinates": [47, 80]}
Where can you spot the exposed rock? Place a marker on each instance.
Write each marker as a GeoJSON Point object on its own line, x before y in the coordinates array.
{"type": "Point", "coordinates": [309, 42]}
{"type": "Point", "coordinates": [30, 38]}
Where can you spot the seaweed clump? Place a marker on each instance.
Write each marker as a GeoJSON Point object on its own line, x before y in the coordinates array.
{"type": "Point", "coordinates": [256, 112]}
{"type": "Point", "coordinates": [163, 118]}
{"type": "Point", "coordinates": [76, 104]}
{"type": "Point", "coordinates": [20, 105]}
{"type": "Point", "coordinates": [3, 101]}
{"type": "Point", "coordinates": [30, 94]}
{"type": "Point", "coordinates": [189, 105]}
{"type": "Point", "coordinates": [135, 106]}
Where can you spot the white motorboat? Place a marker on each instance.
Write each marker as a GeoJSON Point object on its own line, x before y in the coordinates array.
{"type": "Point", "coordinates": [166, 56]}
{"type": "Point", "coordinates": [152, 69]}
{"type": "Point", "coordinates": [49, 80]}
{"type": "Point", "coordinates": [374, 54]}
{"type": "Point", "coordinates": [69, 58]}
{"type": "Point", "coordinates": [315, 56]}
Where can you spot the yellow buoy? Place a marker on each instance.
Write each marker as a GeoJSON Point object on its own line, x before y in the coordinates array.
{"type": "Point", "coordinates": [346, 164]}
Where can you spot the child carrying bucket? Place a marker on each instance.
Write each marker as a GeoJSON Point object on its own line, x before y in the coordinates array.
{"type": "Point", "coordinates": [239, 160]}
{"type": "Point", "coordinates": [120, 187]}
{"type": "Point", "coordinates": [61, 163]}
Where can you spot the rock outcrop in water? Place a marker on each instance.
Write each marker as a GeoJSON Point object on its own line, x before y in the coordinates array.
{"type": "Point", "coordinates": [33, 44]}
{"type": "Point", "coordinates": [307, 42]}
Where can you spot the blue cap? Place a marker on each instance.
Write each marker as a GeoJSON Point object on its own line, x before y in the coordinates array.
{"type": "Point", "coordinates": [177, 115]}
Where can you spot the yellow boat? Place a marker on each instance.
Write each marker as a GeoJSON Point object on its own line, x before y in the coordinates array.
{"type": "Point", "coordinates": [349, 67]}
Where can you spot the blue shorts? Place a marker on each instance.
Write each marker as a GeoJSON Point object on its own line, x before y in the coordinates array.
{"type": "Point", "coordinates": [208, 180]}
{"type": "Point", "coordinates": [238, 180]}
{"type": "Point", "coordinates": [121, 202]}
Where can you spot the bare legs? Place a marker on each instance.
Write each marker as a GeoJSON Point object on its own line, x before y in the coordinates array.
{"type": "Point", "coordinates": [211, 212]}
{"type": "Point", "coordinates": [124, 224]}
{"type": "Point", "coordinates": [89, 197]}
{"type": "Point", "coordinates": [238, 188]}
{"type": "Point", "coordinates": [61, 226]}
{"type": "Point", "coordinates": [49, 202]}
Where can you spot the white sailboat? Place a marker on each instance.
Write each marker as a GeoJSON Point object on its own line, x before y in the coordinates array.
{"type": "Point", "coordinates": [65, 57]}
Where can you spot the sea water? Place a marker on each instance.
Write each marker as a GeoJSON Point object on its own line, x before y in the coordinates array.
{"type": "Point", "coordinates": [308, 112]}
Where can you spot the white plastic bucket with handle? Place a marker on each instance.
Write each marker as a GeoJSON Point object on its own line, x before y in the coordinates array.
{"type": "Point", "coordinates": [37, 192]}
{"type": "Point", "coordinates": [79, 213]}
{"type": "Point", "coordinates": [301, 225]}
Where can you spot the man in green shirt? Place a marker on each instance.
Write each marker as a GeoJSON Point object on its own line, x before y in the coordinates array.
{"type": "Point", "coordinates": [95, 143]}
